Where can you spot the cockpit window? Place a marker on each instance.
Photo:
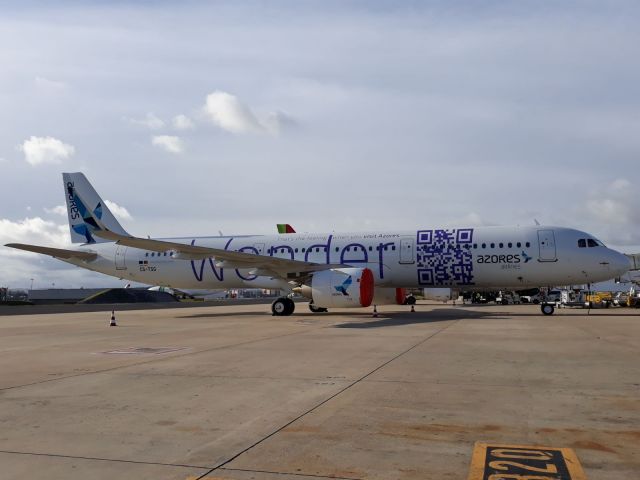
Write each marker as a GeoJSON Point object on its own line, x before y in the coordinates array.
{"type": "Point", "coordinates": [582, 243]}
{"type": "Point", "coordinates": [592, 243]}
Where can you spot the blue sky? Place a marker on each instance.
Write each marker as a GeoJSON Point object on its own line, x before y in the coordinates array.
{"type": "Point", "coordinates": [204, 116]}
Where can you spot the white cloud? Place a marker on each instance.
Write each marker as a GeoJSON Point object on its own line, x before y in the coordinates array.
{"type": "Point", "coordinates": [229, 113]}
{"type": "Point", "coordinates": [182, 122]}
{"type": "Point", "coordinates": [49, 85]}
{"type": "Point", "coordinates": [38, 150]}
{"type": "Point", "coordinates": [150, 121]}
{"type": "Point", "coordinates": [169, 143]}
{"type": "Point", "coordinates": [117, 210]}
{"type": "Point", "coordinates": [34, 230]}
{"type": "Point", "coordinates": [19, 267]}
{"type": "Point", "coordinates": [57, 210]}
{"type": "Point", "coordinates": [275, 122]}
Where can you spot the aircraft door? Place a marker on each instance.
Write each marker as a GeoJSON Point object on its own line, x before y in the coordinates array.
{"type": "Point", "coordinates": [547, 246]}
{"type": "Point", "coordinates": [407, 247]}
{"type": "Point", "coordinates": [121, 251]}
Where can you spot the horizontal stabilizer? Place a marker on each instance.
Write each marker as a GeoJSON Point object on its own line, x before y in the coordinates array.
{"type": "Point", "coordinates": [55, 252]}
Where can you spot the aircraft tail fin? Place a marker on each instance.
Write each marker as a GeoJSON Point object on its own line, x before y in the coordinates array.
{"type": "Point", "coordinates": [86, 210]}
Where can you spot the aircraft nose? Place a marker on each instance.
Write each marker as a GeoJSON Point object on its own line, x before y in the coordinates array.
{"type": "Point", "coordinates": [620, 263]}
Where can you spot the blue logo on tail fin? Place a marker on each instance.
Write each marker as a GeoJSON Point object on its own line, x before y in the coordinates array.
{"type": "Point", "coordinates": [343, 288]}
{"type": "Point", "coordinates": [83, 230]}
{"type": "Point", "coordinates": [89, 223]}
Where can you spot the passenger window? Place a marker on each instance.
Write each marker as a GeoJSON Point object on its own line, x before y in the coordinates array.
{"type": "Point", "coordinates": [370, 249]}
{"type": "Point", "coordinates": [592, 243]}
{"type": "Point", "coordinates": [501, 245]}
{"type": "Point", "coordinates": [475, 246]}
{"type": "Point", "coordinates": [337, 249]}
{"type": "Point", "coordinates": [528, 244]}
{"type": "Point", "coordinates": [510, 245]}
{"type": "Point", "coordinates": [393, 247]}
{"type": "Point", "coordinates": [303, 249]}
{"type": "Point", "coordinates": [317, 249]}
{"type": "Point", "coordinates": [518, 244]}
{"type": "Point", "coordinates": [146, 254]}
{"type": "Point", "coordinates": [296, 250]}
{"type": "Point", "coordinates": [484, 245]}
{"type": "Point", "coordinates": [493, 245]}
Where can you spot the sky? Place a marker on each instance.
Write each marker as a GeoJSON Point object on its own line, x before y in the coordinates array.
{"type": "Point", "coordinates": [192, 118]}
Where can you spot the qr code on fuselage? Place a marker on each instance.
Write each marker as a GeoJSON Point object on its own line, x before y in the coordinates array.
{"type": "Point", "coordinates": [444, 257]}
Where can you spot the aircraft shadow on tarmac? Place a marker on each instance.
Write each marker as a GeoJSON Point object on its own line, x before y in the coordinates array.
{"type": "Point", "coordinates": [220, 315]}
{"type": "Point", "coordinates": [446, 314]}
{"type": "Point", "coordinates": [412, 318]}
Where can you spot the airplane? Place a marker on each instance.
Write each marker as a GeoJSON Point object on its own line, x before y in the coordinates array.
{"type": "Point", "coordinates": [336, 270]}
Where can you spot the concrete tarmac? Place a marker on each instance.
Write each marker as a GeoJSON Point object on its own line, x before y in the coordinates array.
{"type": "Point", "coordinates": [231, 392]}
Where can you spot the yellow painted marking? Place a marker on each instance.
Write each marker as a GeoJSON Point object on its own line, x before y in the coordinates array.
{"type": "Point", "coordinates": [492, 461]}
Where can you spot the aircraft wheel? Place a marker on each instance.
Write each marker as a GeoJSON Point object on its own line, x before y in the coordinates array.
{"type": "Point", "coordinates": [282, 306]}
{"type": "Point", "coordinates": [547, 309]}
{"type": "Point", "coordinates": [291, 306]}
{"type": "Point", "coordinates": [315, 309]}
{"type": "Point", "coordinates": [410, 300]}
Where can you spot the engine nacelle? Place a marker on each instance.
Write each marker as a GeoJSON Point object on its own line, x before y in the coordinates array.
{"type": "Point", "coordinates": [341, 288]}
{"type": "Point", "coordinates": [440, 294]}
{"type": "Point", "coordinates": [389, 296]}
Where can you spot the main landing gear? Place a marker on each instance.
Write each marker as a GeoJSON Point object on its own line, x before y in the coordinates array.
{"type": "Point", "coordinates": [282, 306]}
{"type": "Point", "coordinates": [547, 308]}
{"type": "Point", "coordinates": [315, 309]}
{"type": "Point", "coordinates": [410, 300]}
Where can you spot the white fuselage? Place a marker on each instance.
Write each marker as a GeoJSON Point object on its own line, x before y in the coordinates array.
{"type": "Point", "coordinates": [463, 258]}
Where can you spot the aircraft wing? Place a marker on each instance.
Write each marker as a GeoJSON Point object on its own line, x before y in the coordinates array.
{"type": "Point", "coordinates": [55, 252]}
{"type": "Point", "coordinates": [280, 266]}
{"type": "Point", "coordinates": [261, 264]}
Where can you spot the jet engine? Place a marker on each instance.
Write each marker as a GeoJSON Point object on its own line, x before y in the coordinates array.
{"type": "Point", "coordinates": [340, 287]}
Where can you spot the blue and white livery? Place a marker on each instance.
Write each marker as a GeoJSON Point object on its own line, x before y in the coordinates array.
{"type": "Point", "coordinates": [335, 269]}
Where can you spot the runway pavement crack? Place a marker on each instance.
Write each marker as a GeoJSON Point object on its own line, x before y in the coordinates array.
{"type": "Point", "coordinates": [325, 401]}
